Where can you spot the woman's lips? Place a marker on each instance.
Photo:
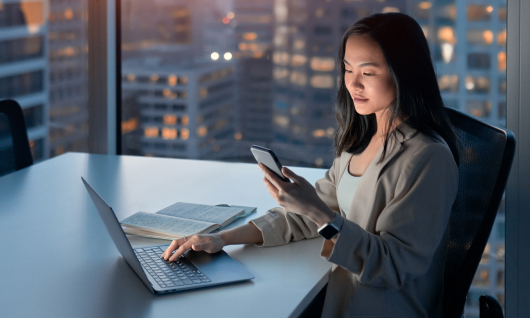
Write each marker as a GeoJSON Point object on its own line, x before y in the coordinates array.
{"type": "Point", "coordinates": [360, 100]}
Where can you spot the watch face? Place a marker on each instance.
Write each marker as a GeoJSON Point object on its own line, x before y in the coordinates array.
{"type": "Point", "coordinates": [328, 231]}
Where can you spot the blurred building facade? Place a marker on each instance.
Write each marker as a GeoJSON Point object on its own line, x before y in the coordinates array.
{"type": "Point", "coordinates": [254, 27]}
{"type": "Point", "coordinates": [68, 76]}
{"type": "Point", "coordinates": [24, 66]}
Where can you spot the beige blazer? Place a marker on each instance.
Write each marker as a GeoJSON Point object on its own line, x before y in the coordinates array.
{"type": "Point", "coordinates": [389, 257]}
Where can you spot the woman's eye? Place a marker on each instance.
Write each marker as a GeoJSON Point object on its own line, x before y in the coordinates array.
{"type": "Point", "coordinates": [347, 71]}
{"type": "Point", "coordinates": [368, 74]}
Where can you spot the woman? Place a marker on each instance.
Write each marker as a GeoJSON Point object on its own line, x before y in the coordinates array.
{"type": "Point", "coordinates": [388, 238]}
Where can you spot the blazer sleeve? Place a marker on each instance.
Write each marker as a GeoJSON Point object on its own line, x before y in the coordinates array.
{"type": "Point", "coordinates": [410, 227]}
{"type": "Point", "coordinates": [280, 227]}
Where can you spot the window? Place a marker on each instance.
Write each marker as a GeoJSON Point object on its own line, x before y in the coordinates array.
{"type": "Point", "coordinates": [283, 76]}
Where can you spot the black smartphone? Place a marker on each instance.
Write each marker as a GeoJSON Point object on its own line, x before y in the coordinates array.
{"type": "Point", "coordinates": [269, 159]}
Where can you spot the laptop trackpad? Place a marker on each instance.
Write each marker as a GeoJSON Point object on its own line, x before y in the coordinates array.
{"type": "Point", "coordinates": [219, 266]}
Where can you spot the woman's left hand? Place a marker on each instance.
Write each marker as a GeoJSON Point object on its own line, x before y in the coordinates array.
{"type": "Point", "coordinates": [299, 197]}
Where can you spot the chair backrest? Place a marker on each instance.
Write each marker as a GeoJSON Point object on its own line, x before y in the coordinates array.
{"type": "Point", "coordinates": [15, 152]}
{"type": "Point", "coordinates": [486, 155]}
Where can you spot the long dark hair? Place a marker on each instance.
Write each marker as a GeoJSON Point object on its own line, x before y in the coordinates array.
{"type": "Point", "coordinates": [418, 101]}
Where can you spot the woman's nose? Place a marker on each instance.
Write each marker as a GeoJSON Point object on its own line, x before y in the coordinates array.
{"type": "Point", "coordinates": [355, 82]}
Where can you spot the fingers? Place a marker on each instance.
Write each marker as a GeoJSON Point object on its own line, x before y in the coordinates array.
{"type": "Point", "coordinates": [271, 176]}
{"type": "Point", "coordinates": [291, 175]}
{"type": "Point", "coordinates": [183, 248]}
{"type": "Point", "coordinates": [173, 246]}
{"type": "Point", "coordinates": [271, 188]}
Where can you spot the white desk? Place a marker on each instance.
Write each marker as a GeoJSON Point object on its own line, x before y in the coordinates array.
{"type": "Point", "coordinates": [57, 259]}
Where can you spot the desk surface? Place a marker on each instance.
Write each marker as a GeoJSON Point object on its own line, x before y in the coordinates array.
{"type": "Point", "coordinates": [57, 259]}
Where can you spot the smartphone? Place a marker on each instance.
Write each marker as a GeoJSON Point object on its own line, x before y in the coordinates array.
{"type": "Point", "coordinates": [269, 159]}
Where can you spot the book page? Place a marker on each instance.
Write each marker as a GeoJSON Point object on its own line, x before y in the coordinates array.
{"type": "Point", "coordinates": [165, 224]}
{"type": "Point", "coordinates": [201, 212]}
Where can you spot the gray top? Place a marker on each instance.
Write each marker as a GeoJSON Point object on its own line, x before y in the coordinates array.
{"type": "Point", "coordinates": [346, 190]}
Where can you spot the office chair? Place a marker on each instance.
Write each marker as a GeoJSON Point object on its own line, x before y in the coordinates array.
{"type": "Point", "coordinates": [490, 307]}
{"type": "Point", "coordinates": [486, 155]}
{"type": "Point", "coordinates": [15, 152]}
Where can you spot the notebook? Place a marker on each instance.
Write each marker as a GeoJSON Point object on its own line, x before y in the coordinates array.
{"type": "Point", "coordinates": [191, 271]}
{"type": "Point", "coordinates": [183, 219]}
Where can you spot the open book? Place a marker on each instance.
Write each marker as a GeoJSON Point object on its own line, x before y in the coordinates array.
{"type": "Point", "coordinates": [183, 219]}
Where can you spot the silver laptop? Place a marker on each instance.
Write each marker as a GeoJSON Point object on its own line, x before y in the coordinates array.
{"type": "Point", "coordinates": [191, 271]}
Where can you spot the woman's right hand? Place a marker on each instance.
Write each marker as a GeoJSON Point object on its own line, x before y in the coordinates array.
{"type": "Point", "coordinates": [211, 243]}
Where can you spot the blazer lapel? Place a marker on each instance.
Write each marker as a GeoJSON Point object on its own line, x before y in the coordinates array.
{"type": "Point", "coordinates": [365, 190]}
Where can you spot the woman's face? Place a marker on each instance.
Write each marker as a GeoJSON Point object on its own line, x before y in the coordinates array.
{"type": "Point", "coordinates": [366, 76]}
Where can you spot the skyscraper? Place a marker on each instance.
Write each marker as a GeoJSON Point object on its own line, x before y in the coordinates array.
{"type": "Point", "coordinates": [68, 63]}
{"type": "Point", "coordinates": [254, 21]}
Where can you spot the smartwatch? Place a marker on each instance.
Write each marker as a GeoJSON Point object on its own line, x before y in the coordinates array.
{"type": "Point", "coordinates": [331, 229]}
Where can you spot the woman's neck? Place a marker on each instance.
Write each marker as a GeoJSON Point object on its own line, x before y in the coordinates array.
{"type": "Point", "coordinates": [382, 122]}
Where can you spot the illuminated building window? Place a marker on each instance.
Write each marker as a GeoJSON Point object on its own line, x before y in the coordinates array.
{"type": "Point", "coordinates": [448, 83]}
{"type": "Point", "coordinates": [281, 121]}
{"type": "Point", "coordinates": [185, 120]}
{"type": "Point", "coordinates": [478, 84]}
{"type": "Point", "coordinates": [318, 133]}
{"type": "Point", "coordinates": [319, 162]}
{"type": "Point", "coordinates": [184, 133]}
{"type": "Point", "coordinates": [481, 277]}
{"type": "Point", "coordinates": [390, 9]}
{"type": "Point", "coordinates": [298, 60]}
{"type": "Point", "coordinates": [131, 77]}
{"type": "Point", "coordinates": [68, 14]}
{"type": "Point", "coordinates": [322, 81]}
{"type": "Point", "coordinates": [280, 58]}
{"type": "Point", "coordinates": [479, 37]}
{"type": "Point", "coordinates": [170, 119]}
{"type": "Point", "coordinates": [299, 44]}
{"type": "Point", "coordinates": [169, 133]}
{"type": "Point", "coordinates": [129, 125]}
{"type": "Point", "coordinates": [202, 131]}
{"type": "Point", "coordinates": [479, 13]}
{"type": "Point", "coordinates": [298, 78]}
{"type": "Point", "coordinates": [446, 35]}
{"type": "Point", "coordinates": [478, 61]}
{"type": "Point", "coordinates": [478, 108]}
{"type": "Point", "coordinates": [501, 58]}
{"type": "Point", "coordinates": [322, 64]}
{"type": "Point", "coordinates": [203, 92]}
{"type": "Point", "coordinates": [154, 78]}
{"type": "Point", "coordinates": [172, 80]}
{"type": "Point", "coordinates": [250, 36]}
{"type": "Point", "coordinates": [183, 80]}
{"type": "Point", "coordinates": [238, 136]}
{"type": "Point", "coordinates": [320, 12]}
{"type": "Point", "coordinates": [501, 38]}
{"type": "Point", "coordinates": [151, 132]}
{"type": "Point", "coordinates": [280, 73]}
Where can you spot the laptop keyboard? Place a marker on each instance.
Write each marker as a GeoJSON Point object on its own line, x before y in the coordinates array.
{"type": "Point", "coordinates": [169, 274]}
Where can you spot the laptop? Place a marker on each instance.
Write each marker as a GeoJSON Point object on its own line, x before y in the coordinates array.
{"type": "Point", "coordinates": [190, 271]}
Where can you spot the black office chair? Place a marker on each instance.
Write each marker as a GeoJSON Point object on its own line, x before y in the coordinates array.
{"type": "Point", "coordinates": [486, 155]}
{"type": "Point", "coordinates": [490, 307]}
{"type": "Point", "coordinates": [15, 152]}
